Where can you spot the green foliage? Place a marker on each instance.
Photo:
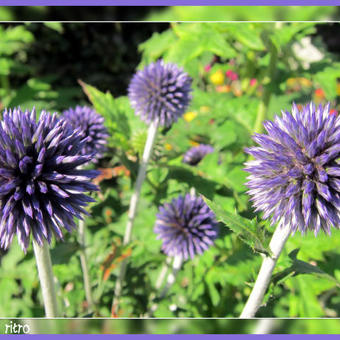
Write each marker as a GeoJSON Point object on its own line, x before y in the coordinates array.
{"type": "Point", "coordinates": [223, 113]}
{"type": "Point", "coordinates": [242, 13]}
{"type": "Point", "coordinates": [112, 110]}
{"type": "Point", "coordinates": [327, 79]}
{"type": "Point", "coordinates": [14, 39]}
{"type": "Point", "coordinates": [247, 230]}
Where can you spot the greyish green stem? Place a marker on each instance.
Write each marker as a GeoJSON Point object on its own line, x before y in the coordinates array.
{"type": "Point", "coordinates": [84, 265]}
{"type": "Point", "coordinates": [176, 266]}
{"type": "Point", "coordinates": [44, 265]}
{"type": "Point", "coordinates": [276, 245]}
{"type": "Point", "coordinates": [152, 133]}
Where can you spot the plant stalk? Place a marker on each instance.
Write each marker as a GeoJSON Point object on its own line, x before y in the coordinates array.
{"type": "Point", "coordinates": [264, 104]}
{"type": "Point", "coordinates": [152, 133]}
{"type": "Point", "coordinates": [276, 245]}
{"type": "Point", "coordinates": [265, 326]}
{"type": "Point", "coordinates": [159, 282]}
{"type": "Point", "coordinates": [84, 265]}
{"type": "Point", "coordinates": [44, 265]}
{"type": "Point", "coordinates": [162, 274]}
{"type": "Point", "coordinates": [176, 266]}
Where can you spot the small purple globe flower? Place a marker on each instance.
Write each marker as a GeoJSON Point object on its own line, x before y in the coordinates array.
{"type": "Point", "coordinates": [194, 155]}
{"type": "Point", "coordinates": [91, 125]}
{"type": "Point", "coordinates": [186, 226]}
{"type": "Point", "coordinates": [41, 188]}
{"type": "Point", "coordinates": [295, 177]}
{"type": "Point", "coordinates": [160, 90]}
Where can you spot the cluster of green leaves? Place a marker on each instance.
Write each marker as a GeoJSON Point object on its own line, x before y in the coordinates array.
{"type": "Point", "coordinates": [38, 92]}
{"type": "Point", "coordinates": [305, 283]}
{"type": "Point", "coordinates": [243, 13]}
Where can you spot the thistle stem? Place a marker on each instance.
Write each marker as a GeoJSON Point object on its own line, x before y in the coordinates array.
{"type": "Point", "coordinates": [162, 274]}
{"type": "Point", "coordinates": [264, 104]}
{"type": "Point", "coordinates": [84, 264]}
{"type": "Point", "coordinates": [159, 282]}
{"type": "Point", "coordinates": [276, 245]}
{"type": "Point", "coordinates": [44, 265]}
{"type": "Point", "coordinates": [265, 326]}
{"type": "Point", "coordinates": [152, 133]}
{"type": "Point", "coordinates": [176, 266]}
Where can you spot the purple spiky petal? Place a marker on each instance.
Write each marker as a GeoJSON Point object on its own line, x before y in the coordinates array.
{"type": "Point", "coordinates": [41, 188]}
{"type": "Point", "coordinates": [194, 155]}
{"type": "Point", "coordinates": [186, 226]}
{"type": "Point", "coordinates": [160, 90]}
{"type": "Point", "coordinates": [91, 126]}
{"type": "Point", "coordinates": [295, 176]}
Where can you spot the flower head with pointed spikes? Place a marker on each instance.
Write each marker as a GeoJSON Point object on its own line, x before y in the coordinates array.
{"type": "Point", "coordinates": [186, 226]}
{"type": "Point", "coordinates": [160, 90]}
{"type": "Point", "coordinates": [295, 176]}
{"type": "Point", "coordinates": [41, 188]}
{"type": "Point", "coordinates": [91, 125]}
{"type": "Point", "coordinates": [195, 154]}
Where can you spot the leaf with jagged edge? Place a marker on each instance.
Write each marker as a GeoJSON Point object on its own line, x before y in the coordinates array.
{"type": "Point", "coordinates": [116, 120]}
{"type": "Point", "coordinates": [298, 267]}
{"type": "Point", "coordinates": [248, 231]}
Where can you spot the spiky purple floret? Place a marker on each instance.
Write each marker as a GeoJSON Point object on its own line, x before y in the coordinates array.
{"type": "Point", "coordinates": [186, 226]}
{"type": "Point", "coordinates": [41, 189]}
{"type": "Point", "coordinates": [91, 125]}
{"type": "Point", "coordinates": [194, 155]}
{"type": "Point", "coordinates": [160, 90]}
{"type": "Point", "coordinates": [295, 177]}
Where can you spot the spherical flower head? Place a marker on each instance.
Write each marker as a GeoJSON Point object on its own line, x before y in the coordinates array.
{"type": "Point", "coordinates": [41, 188]}
{"type": "Point", "coordinates": [91, 125]}
{"type": "Point", "coordinates": [194, 155]}
{"type": "Point", "coordinates": [186, 226]}
{"type": "Point", "coordinates": [160, 91]}
{"type": "Point", "coordinates": [295, 177]}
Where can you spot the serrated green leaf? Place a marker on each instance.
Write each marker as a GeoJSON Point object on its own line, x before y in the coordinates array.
{"type": "Point", "coordinates": [138, 141]}
{"type": "Point", "coordinates": [115, 118]}
{"type": "Point", "coordinates": [301, 267]}
{"type": "Point", "coordinates": [247, 230]}
{"type": "Point", "coordinates": [155, 47]}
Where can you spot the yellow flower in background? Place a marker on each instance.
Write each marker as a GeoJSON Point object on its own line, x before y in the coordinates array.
{"type": "Point", "coordinates": [193, 143]}
{"type": "Point", "coordinates": [305, 82]}
{"type": "Point", "coordinates": [205, 109]}
{"type": "Point", "coordinates": [338, 89]}
{"type": "Point", "coordinates": [291, 82]}
{"type": "Point", "coordinates": [168, 146]}
{"type": "Point", "coordinates": [299, 81]}
{"type": "Point", "coordinates": [217, 78]}
{"type": "Point", "coordinates": [189, 116]}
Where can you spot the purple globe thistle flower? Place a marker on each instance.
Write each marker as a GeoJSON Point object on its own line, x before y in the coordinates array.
{"type": "Point", "coordinates": [194, 155]}
{"type": "Point", "coordinates": [91, 125]}
{"type": "Point", "coordinates": [186, 226]}
{"type": "Point", "coordinates": [41, 189]}
{"type": "Point", "coordinates": [295, 177]}
{"type": "Point", "coordinates": [160, 90]}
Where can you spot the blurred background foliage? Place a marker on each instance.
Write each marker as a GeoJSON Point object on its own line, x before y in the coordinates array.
{"type": "Point", "coordinates": [237, 68]}
{"type": "Point", "coordinates": [174, 13]}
